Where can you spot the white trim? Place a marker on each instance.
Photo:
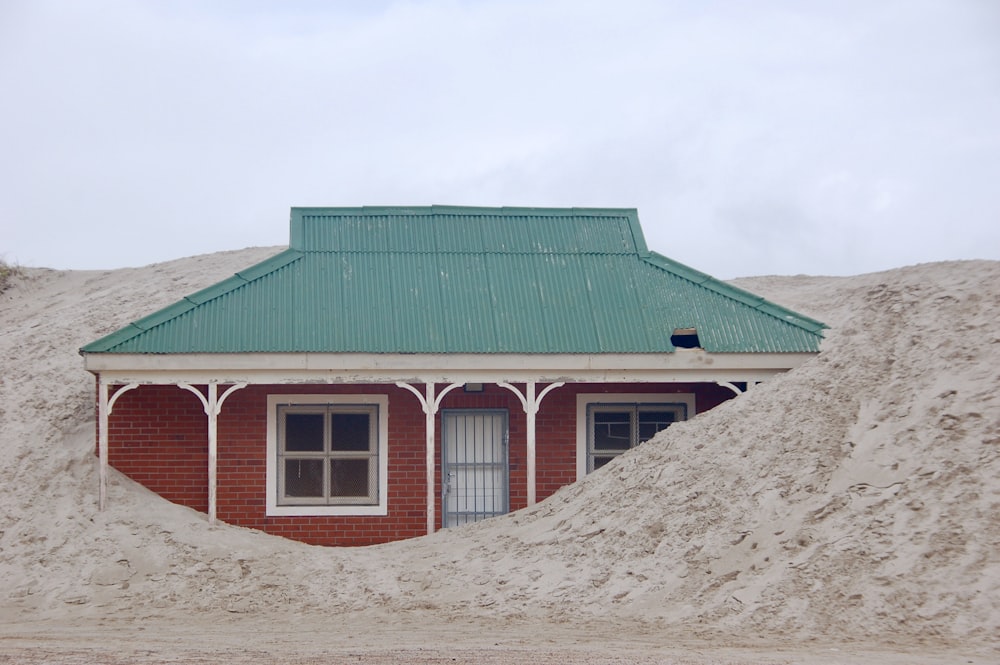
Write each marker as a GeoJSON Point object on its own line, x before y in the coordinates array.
{"type": "Point", "coordinates": [118, 393]}
{"type": "Point", "coordinates": [585, 399]}
{"type": "Point", "coordinates": [222, 376]}
{"type": "Point", "coordinates": [688, 366]}
{"type": "Point", "coordinates": [103, 409]}
{"type": "Point", "coordinates": [273, 509]}
{"type": "Point", "coordinates": [731, 386]}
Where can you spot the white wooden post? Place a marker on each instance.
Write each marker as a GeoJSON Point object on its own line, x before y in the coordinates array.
{"type": "Point", "coordinates": [212, 411]}
{"type": "Point", "coordinates": [105, 404]}
{"type": "Point", "coordinates": [213, 406]}
{"type": "Point", "coordinates": [102, 442]}
{"type": "Point", "coordinates": [531, 404]}
{"type": "Point", "coordinates": [431, 455]}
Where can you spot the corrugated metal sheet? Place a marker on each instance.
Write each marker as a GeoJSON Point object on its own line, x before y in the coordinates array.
{"type": "Point", "coordinates": [447, 229]}
{"type": "Point", "coordinates": [465, 280]}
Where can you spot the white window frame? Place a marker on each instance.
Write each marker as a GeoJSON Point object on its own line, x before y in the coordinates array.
{"type": "Point", "coordinates": [585, 400]}
{"type": "Point", "coordinates": [276, 510]}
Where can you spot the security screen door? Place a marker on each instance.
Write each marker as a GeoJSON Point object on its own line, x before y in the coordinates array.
{"type": "Point", "coordinates": [473, 465]}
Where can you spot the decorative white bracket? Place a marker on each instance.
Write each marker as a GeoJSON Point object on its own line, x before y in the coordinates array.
{"type": "Point", "coordinates": [430, 404]}
{"type": "Point", "coordinates": [531, 404]}
{"type": "Point", "coordinates": [735, 388]}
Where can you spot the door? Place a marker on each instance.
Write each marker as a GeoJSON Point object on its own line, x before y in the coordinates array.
{"type": "Point", "coordinates": [473, 465]}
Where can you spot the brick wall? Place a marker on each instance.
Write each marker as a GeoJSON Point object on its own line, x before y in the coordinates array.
{"type": "Point", "coordinates": [157, 436]}
{"type": "Point", "coordinates": [242, 467]}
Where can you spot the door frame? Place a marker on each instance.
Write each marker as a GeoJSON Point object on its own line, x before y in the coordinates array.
{"type": "Point", "coordinates": [504, 462]}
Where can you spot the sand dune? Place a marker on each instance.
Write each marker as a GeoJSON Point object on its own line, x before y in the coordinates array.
{"type": "Point", "coordinates": [852, 502]}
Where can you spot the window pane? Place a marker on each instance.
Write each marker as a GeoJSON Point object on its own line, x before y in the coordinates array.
{"type": "Point", "coordinates": [651, 422]}
{"type": "Point", "coordinates": [351, 432]}
{"type": "Point", "coordinates": [612, 430]}
{"type": "Point", "coordinates": [349, 477]}
{"type": "Point", "coordinates": [304, 432]}
{"type": "Point", "coordinates": [601, 461]}
{"type": "Point", "coordinates": [304, 477]}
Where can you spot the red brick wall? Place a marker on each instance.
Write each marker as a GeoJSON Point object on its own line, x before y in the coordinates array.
{"type": "Point", "coordinates": [157, 436]}
{"type": "Point", "coordinates": [242, 469]}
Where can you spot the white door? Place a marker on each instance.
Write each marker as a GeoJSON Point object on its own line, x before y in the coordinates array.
{"type": "Point", "coordinates": [473, 465]}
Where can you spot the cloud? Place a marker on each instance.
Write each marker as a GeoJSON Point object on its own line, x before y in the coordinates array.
{"type": "Point", "coordinates": [772, 137]}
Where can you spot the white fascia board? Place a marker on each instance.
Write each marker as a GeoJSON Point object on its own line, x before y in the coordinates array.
{"type": "Point", "coordinates": [680, 366]}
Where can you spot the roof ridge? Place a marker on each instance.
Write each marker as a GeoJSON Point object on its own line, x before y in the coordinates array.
{"type": "Point", "coordinates": [519, 252]}
{"type": "Point", "coordinates": [439, 209]}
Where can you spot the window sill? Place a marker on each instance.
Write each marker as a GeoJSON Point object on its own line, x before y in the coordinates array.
{"type": "Point", "coordinates": [325, 511]}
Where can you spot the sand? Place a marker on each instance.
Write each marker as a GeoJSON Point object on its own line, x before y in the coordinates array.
{"type": "Point", "coordinates": [848, 511]}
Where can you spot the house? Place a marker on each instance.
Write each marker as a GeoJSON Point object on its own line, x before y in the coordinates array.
{"type": "Point", "coordinates": [397, 370]}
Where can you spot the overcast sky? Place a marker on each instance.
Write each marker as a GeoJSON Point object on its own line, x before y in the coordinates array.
{"type": "Point", "coordinates": [753, 137]}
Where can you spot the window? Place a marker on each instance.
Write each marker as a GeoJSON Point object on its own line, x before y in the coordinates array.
{"type": "Point", "coordinates": [327, 455]}
{"type": "Point", "coordinates": [609, 424]}
{"type": "Point", "coordinates": [614, 428]}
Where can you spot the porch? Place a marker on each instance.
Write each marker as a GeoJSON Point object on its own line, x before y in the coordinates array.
{"type": "Point", "coordinates": [214, 445]}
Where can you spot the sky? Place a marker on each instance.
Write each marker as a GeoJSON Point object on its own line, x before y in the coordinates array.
{"type": "Point", "coordinates": [753, 138]}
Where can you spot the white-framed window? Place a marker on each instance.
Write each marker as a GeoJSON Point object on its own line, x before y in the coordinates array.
{"type": "Point", "coordinates": [327, 454]}
{"type": "Point", "coordinates": [609, 424]}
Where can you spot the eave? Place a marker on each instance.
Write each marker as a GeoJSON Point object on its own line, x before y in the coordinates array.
{"type": "Point", "coordinates": [682, 366]}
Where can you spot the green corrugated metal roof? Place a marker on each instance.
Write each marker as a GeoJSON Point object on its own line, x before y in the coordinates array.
{"type": "Point", "coordinates": [443, 279]}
